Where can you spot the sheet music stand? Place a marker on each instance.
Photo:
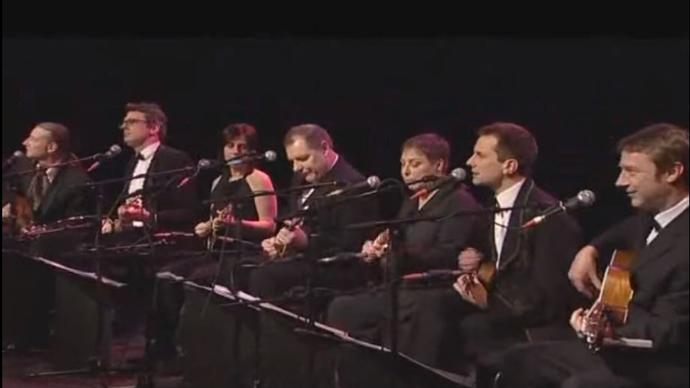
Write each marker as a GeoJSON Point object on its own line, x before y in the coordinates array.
{"type": "Point", "coordinates": [75, 341]}
{"type": "Point", "coordinates": [301, 335]}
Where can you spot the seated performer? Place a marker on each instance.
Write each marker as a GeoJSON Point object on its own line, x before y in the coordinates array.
{"type": "Point", "coordinates": [52, 193]}
{"type": "Point", "coordinates": [257, 222]}
{"type": "Point", "coordinates": [158, 202]}
{"type": "Point", "coordinates": [529, 287]}
{"type": "Point", "coordinates": [155, 201]}
{"type": "Point", "coordinates": [422, 246]}
{"type": "Point", "coordinates": [289, 260]}
{"type": "Point", "coordinates": [310, 149]}
{"type": "Point", "coordinates": [654, 173]}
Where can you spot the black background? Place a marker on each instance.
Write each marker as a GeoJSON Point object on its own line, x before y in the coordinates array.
{"type": "Point", "coordinates": [577, 95]}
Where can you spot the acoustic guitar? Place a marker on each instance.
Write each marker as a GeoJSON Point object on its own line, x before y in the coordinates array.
{"type": "Point", "coordinates": [611, 306]}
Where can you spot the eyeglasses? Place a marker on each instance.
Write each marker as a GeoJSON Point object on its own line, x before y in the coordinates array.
{"type": "Point", "coordinates": [129, 122]}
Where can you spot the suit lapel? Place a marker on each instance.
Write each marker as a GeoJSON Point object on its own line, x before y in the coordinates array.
{"type": "Point", "coordinates": [154, 184]}
{"type": "Point", "coordinates": [663, 242]}
{"type": "Point", "coordinates": [331, 176]}
{"type": "Point", "coordinates": [49, 196]}
{"type": "Point", "coordinates": [514, 236]}
{"type": "Point", "coordinates": [156, 166]}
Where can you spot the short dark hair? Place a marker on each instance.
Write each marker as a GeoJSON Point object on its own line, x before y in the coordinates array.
{"type": "Point", "coordinates": [248, 131]}
{"type": "Point", "coordinates": [154, 115]}
{"type": "Point", "coordinates": [312, 134]}
{"type": "Point", "coordinates": [665, 144]}
{"type": "Point", "coordinates": [432, 145]}
{"type": "Point", "coordinates": [514, 142]}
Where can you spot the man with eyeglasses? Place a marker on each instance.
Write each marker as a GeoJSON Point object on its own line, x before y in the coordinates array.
{"type": "Point", "coordinates": [152, 200]}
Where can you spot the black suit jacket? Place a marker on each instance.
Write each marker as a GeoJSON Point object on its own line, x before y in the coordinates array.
{"type": "Point", "coordinates": [66, 196]}
{"type": "Point", "coordinates": [173, 208]}
{"type": "Point", "coordinates": [330, 218]}
{"type": "Point", "coordinates": [436, 244]}
{"type": "Point", "coordinates": [659, 274]}
{"type": "Point", "coordinates": [532, 278]}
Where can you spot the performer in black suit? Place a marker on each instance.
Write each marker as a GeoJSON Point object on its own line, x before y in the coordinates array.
{"type": "Point", "coordinates": [162, 204]}
{"type": "Point", "coordinates": [530, 286]}
{"type": "Point", "coordinates": [283, 267]}
{"type": "Point", "coordinates": [654, 173]}
{"type": "Point", "coordinates": [310, 149]}
{"type": "Point", "coordinates": [54, 193]}
{"type": "Point", "coordinates": [154, 204]}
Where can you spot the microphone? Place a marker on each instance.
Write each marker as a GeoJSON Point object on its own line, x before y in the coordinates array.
{"type": "Point", "coordinates": [202, 164]}
{"type": "Point", "coordinates": [113, 151]}
{"type": "Point", "coordinates": [425, 179]}
{"type": "Point", "coordinates": [173, 234]}
{"type": "Point", "coordinates": [10, 161]}
{"type": "Point", "coordinates": [434, 274]}
{"type": "Point", "coordinates": [207, 164]}
{"type": "Point", "coordinates": [341, 258]}
{"type": "Point", "coordinates": [457, 175]}
{"type": "Point", "coordinates": [269, 156]}
{"type": "Point", "coordinates": [371, 182]}
{"type": "Point", "coordinates": [584, 198]}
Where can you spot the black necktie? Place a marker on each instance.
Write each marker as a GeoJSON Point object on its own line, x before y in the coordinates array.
{"type": "Point", "coordinates": [140, 156]}
{"type": "Point", "coordinates": [38, 187]}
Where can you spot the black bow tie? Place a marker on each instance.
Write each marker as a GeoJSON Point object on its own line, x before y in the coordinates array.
{"type": "Point", "coordinates": [654, 225]}
{"type": "Point", "coordinates": [140, 156]}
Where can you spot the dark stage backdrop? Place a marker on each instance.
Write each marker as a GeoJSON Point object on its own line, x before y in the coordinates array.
{"type": "Point", "coordinates": [577, 96]}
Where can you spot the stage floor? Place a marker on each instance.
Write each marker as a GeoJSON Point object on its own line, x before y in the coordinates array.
{"type": "Point", "coordinates": [15, 364]}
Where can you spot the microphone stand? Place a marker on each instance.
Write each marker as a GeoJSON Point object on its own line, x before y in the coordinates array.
{"type": "Point", "coordinates": [278, 193]}
{"type": "Point", "coordinates": [69, 162]}
{"type": "Point", "coordinates": [97, 364]}
{"type": "Point", "coordinates": [410, 220]}
{"type": "Point", "coordinates": [145, 377]}
{"type": "Point", "coordinates": [236, 203]}
{"type": "Point", "coordinates": [391, 269]}
{"type": "Point", "coordinates": [311, 256]}
{"type": "Point", "coordinates": [393, 284]}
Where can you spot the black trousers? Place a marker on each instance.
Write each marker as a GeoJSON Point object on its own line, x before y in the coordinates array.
{"type": "Point", "coordinates": [28, 296]}
{"type": "Point", "coordinates": [168, 295]}
{"type": "Point", "coordinates": [275, 278]}
{"type": "Point", "coordinates": [366, 315]}
{"type": "Point", "coordinates": [570, 364]}
{"type": "Point", "coordinates": [445, 331]}
{"type": "Point", "coordinates": [287, 357]}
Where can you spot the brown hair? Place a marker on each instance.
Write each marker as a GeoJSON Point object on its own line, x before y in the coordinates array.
{"type": "Point", "coordinates": [665, 144]}
{"type": "Point", "coordinates": [514, 142]}
{"type": "Point", "coordinates": [154, 115]}
{"type": "Point", "coordinates": [432, 145]}
{"type": "Point", "coordinates": [232, 131]}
